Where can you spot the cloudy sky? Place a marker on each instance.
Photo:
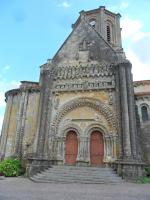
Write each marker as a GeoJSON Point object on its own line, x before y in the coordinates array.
{"type": "Point", "coordinates": [33, 30]}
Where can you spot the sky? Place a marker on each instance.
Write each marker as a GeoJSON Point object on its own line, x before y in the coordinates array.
{"type": "Point", "coordinates": [31, 31]}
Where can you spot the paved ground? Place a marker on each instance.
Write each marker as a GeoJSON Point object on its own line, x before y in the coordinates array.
{"type": "Point", "coordinates": [24, 189]}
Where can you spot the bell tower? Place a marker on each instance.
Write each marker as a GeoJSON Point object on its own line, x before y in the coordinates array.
{"type": "Point", "coordinates": [106, 23]}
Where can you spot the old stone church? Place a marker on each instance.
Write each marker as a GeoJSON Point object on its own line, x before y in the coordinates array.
{"type": "Point", "coordinates": [82, 111]}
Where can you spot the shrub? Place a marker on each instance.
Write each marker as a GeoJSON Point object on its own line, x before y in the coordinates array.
{"type": "Point", "coordinates": [145, 180]}
{"type": "Point", "coordinates": [10, 167]}
{"type": "Point", "coordinates": [147, 169]}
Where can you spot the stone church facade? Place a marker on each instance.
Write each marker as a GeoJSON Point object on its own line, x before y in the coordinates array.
{"type": "Point", "coordinates": [82, 111]}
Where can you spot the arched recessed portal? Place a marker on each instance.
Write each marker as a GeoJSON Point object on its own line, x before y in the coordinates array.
{"type": "Point", "coordinates": [96, 148]}
{"type": "Point", "coordinates": [71, 148]}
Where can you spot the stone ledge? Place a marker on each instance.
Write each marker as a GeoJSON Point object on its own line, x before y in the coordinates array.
{"type": "Point", "coordinates": [35, 165]}
{"type": "Point", "coordinates": [130, 170]}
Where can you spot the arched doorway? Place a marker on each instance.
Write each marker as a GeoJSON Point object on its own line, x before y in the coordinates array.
{"type": "Point", "coordinates": [96, 148]}
{"type": "Point", "coordinates": [71, 148]}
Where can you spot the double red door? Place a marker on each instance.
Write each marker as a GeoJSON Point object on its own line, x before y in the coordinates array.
{"type": "Point", "coordinates": [96, 148]}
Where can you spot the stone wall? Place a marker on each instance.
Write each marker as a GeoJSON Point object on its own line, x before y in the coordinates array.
{"type": "Point", "coordinates": [30, 128]}
{"type": "Point", "coordinates": [142, 98]}
{"type": "Point", "coordinates": [8, 135]}
{"type": "Point", "coordinates": [145, 141]}
{"type": "Point", "coordinates": [20, 121]}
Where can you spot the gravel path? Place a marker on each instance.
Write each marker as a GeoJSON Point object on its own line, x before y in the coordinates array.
{"type": "Point", "coordinates": [24, 189]}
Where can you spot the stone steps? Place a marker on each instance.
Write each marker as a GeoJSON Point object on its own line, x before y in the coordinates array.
{"type": "Point", "coordinates": [71, 174]}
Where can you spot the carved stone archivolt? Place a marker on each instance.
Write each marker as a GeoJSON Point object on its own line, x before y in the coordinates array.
{"type": "Point", "coordinates": [84, 102]}
{"type": "Point", "coordinates": [97, 127]}
{"type": "Point", "coordinates": [57, 144]}
{"type": "Point", "coordinates": [110, 140]}
{"type": "Point", "coordinates": [70, 127]}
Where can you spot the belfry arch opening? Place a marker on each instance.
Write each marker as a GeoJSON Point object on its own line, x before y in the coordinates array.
{"type": "Point", "coordinates": [109, 32]}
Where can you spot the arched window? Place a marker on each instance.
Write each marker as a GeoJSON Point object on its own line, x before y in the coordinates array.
{"type": "Point", "coordinates": [108, 34]}
{"type": "Point", "coordinates": [92, 22]}
{"type": "Point", "coordinates": [109, 31]}
{"type": "Point", "coordinates": [144, 112]}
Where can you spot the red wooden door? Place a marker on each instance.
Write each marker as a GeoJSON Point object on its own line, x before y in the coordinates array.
{"type": "Point", "coordinates": [96, 148]}
{"type": "Point", "coordinates": [71, 148]}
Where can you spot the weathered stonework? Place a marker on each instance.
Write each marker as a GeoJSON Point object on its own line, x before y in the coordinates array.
{"type": "Point", "coordinates": [142, 98]}
{"type": "Point", "coordinates": [20, 121]}
{"type": "Point", "coordinates": [86, 89]}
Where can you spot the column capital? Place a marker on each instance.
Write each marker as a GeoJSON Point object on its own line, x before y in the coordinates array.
{"type": "Point", "coordinates": [125, 63]}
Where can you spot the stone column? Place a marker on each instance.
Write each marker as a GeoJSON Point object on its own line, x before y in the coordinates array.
{"type": "Point", "coordinates": [88, 150]}
{"type": "Point", "coordinates": [102, 20]}
{"type": "Point", "coordinates": [131, 107]}
{"type": "Point", "coordinates": [118, 31]}
{"type": "Point", "coordinates": [60, 149]}
{"type": "Point", "coordinates": [118, 110]}
{"type": "Point", "coordinates": [124, 111]}
{"type": "Point", "coordinates": [46, 81]}
{"type": "Point", "coordinates": [83, 149]}
{"type": "Point", "coordinates": [107, 147]}
{"type": "Point", "coordinates": [114, 147]}
{"type": "Point", "coordinates": [5, 127]}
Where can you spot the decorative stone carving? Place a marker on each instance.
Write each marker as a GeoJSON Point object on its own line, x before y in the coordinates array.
{"type": "Point", "coordinates": [70, 126]}
{"type": "Point", "coordinates": [84, 77]}
{"type": "Point", "coordinates": [56, 101]}
{"type": "Point", "coordinates": [143, 98]}
{"type": "Point", "coordinates": [77, 56]}
{"type": "Point", "coordinates": [84, 45]}
{"type": "Point", "coordinates": [83, 149]}
{"type": "Point", "coordinates": [97, 118]}
{"type": "Point", "coordinates": [84, 85]}
{"type": "Point", "coordinates": [110, 97]}
{"type": "Point", "coordinates": [80, 71]}
{"type": "Point", "coordinates": [80, 102]}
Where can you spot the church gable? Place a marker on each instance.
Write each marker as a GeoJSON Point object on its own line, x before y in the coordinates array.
{"type": "Point", "coordinates": [85, 61]}
{"type": "Point", "coordinates": [84, 45]}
